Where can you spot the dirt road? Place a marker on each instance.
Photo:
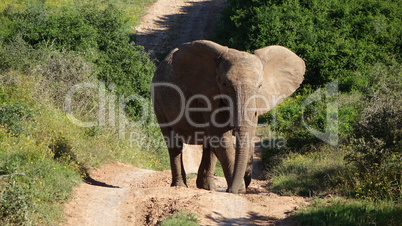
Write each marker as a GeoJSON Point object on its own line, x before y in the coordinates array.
{"type": "Point", "coordinates": [121, 194]}
{"type": "Point", "coordinates": [132, 196]}
{"type": "Point", "coordinates": [170, 23]}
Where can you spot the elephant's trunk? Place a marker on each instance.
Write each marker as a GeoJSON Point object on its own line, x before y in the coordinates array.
{"type": "Point", "coordinates": [245, 131]}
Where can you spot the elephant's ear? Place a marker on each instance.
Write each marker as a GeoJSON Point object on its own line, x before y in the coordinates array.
{"type": "Point", "coordinates": [195, 64]}
{"type": "Point", "coordinates": [283, 74]}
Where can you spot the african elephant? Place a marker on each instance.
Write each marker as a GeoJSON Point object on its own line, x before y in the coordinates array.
{"type": "Point", "coordinates": [205, 93]}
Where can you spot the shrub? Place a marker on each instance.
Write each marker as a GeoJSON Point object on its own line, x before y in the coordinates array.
{"type": "Point", "coordinates": [337, 39]}
{"type": "Point", "coordinates": [46, 47]}
{"type": "Point", "coordinates": [357, 45]}
{"type": "Point", "coordinates": [32, 184]}
{"type": "Point", "coordinates": [13, 114]}
{"type": "Point", "coordinates": [297, 119]}
{"type": "Point", "coordinates": [376, 147]}
{"type": "Point", "coordinates": [180, 218]}
{"type": "Point", "coordinates": [60, 71]}
{"type": "Point", "coordinates": [39, 166]}
{"type": "Point", "coordinates": [91, 40]}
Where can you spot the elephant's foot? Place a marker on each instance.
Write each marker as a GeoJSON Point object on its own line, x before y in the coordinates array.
{"type": "Point", "coordinates": [242, 190]}
{"type": "Point", "coordinates": [206, 183]}
{"type": "Point", "coordinates": [178, 183]}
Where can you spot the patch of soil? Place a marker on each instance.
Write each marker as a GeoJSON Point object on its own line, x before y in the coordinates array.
{"type": "Point", "coordinates": [144, 197]}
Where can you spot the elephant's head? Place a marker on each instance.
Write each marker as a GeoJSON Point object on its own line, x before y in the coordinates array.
{"type": "Point", "coordinates": [253, 83]}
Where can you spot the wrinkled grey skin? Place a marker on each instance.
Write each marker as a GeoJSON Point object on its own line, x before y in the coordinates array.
{"type": "Point", "coordinates": [248, 84]}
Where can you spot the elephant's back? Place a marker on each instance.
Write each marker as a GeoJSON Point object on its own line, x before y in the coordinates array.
{"type": "Point", "coordinates": [164, 72]}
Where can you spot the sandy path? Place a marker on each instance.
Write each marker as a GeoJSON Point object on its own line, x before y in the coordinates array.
{"type": "Point", "coordinates": [143, 197]}
{"type": "Point", "coordinates": [170, 23]}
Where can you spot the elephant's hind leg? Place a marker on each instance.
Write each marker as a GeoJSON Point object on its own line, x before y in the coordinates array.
{"type": "Point", "coordinates": [205, 178]}
{"type": "Point", "coordinates": [176, 165]}
{"type": "Point", "coordinates": [175, 147]}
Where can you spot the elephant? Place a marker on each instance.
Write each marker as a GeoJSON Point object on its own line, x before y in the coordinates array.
{"type": "Point", "coordinates": [211, 95]}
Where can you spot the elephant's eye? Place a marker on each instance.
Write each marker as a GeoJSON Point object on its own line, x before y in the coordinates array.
{"type": "Point", "coordinates": [260, 85]}
{"type": "Point", "coordinates": [225, 84]}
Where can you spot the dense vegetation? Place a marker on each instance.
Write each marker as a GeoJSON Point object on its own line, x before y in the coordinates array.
{"type": "Point", "coordinates": [73, 56]}
{"type": "Point", "coordinates": [352, 91]}
{"type": "Point", "coordinates": [343, 127]}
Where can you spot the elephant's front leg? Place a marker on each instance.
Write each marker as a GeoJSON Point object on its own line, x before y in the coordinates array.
{"type": "Point", "coordinates": [205, 178]}
{"type": "Point", "coordinates": [176, 165]}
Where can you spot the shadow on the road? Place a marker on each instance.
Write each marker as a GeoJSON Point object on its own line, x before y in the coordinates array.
{"type": "Point", "coordinates": [194, 22]}
{"type": "Point", "coordinates": [252, 218]}
{"type": "Point", "coordinates": [89, 180]}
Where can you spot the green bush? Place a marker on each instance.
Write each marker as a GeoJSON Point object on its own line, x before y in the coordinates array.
{"type": "Point", "coordinates": [93, 40]}
{"type": "Point", "coordinates": [337, 39]}
{"type": "Point", "coordinates": [296, 117]}
{"type": "Point", "coordinates": [355, 44]}
{"type": "Point", "coordinates": [40, 165]}
{"type": "Point", "coordinates": [372, 165]}
{"type": "Point", "coordinates": [32, 184]}
{"type": "Point", "coordinates": [376, 146]}
{"type": "Point", "coordinates": [47, 47]}
{"type": "Point", "coordinates": [13, 116]}
{"type": "Point", "coordinates": [180, 218]}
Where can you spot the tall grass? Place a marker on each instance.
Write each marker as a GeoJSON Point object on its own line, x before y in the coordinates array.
{"type": "Point", "coordinates": [312, 174]}
{"type": "Point", "coordinates": [340, 211]}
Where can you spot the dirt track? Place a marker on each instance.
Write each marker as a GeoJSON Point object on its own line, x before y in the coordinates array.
{"type": "Point", "coordinates": [132, 196]}
{"type": "Point", "coordinates": [124, 195]}
{"type": "Point", "coordinates": [170, 23]}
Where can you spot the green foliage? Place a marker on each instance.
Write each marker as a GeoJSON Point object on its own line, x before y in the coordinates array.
{"type": "Point", "coordinates": [340, 211]}
{"type": "Point", "coordinates": [99, 34]}
{"type": "Point", "coordinates": [38, 26]}
{"type": "Point", "coordinates": [63, 152]}
{"type": "Point", "coordinates": [370, 129]}
{"type": "Point", "coordinates": [337, 39]}
{"type": "Point", "coordinates": [180, 218]}
{"type": "Point", "coordinates": [287, 120]}
{"type": "Point", "coordinates": [13, 116]}
{"type": "Point", "coordinates": [295, 118]}
{"type": "Point", "coordinates": [31, 183]}
{"type": "Point", "coordinates": [39, 166]}
{"type": "Point", "coordinates": [312, 174]}
{"type": "Point", "coordinates": [376, 146]}
{"type": "Point", "coordinates": [46, 48]}
{"type": "Point", "coordinates": [357, 44]}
